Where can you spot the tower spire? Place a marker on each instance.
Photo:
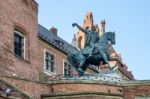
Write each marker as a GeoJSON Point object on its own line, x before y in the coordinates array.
{"type": "Point", "coordinates": [102, 30]}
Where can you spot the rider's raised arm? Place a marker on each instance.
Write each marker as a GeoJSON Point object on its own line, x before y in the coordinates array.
{"type": "Point", "coordinates": [80, 28]}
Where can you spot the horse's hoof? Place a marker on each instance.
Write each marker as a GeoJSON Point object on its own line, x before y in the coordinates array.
{"type": "Point", "coordinates": [115, 68]}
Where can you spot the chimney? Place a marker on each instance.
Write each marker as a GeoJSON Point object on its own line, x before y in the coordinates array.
{"type": "Point", "coordinates": [54, 30]}
{"type": "Point", "coordinates": [102, 31]}
{"type": "Point", "coordinates": [96, 26]}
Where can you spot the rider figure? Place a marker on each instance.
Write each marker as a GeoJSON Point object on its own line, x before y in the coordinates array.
{"type": "Point", "coordinates": [92, 41]}
{"type": "Point", "coordinates": [92, 38]}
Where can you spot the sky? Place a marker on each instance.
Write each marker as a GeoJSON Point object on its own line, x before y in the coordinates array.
{"type": "Point", "coordinates": [130, 19]}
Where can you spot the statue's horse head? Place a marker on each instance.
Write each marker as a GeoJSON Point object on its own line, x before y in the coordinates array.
{"type": "Point", "coordinates": [111, 37]}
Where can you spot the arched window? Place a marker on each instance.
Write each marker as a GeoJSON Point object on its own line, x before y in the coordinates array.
{"type": "Point", "coordinates": [19, 44]}
{"type": "Point", "coordinates": [80, 42]}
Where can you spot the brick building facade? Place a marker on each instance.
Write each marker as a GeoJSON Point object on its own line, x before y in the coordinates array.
{"type": "Point", "coordinates": [19, 21]}
{"type": "Point", "coordinates": [30, 55]}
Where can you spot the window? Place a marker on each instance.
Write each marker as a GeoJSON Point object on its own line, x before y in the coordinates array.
{"type": "Point", "coordinates": [19, 44]}
{"type": "Point", "coordinates": [49, 62]}
{"type": "Point", "coordinates": [67, 69]}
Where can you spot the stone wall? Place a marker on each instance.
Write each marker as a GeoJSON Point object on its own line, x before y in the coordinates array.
{"type": "Point", "coordinates": [85, 86]}
{"type": "Point", "coordinates": [72, 87]}
{"type": "Point", "coordinates": [135, 89]}
{"type": "Point", "coordinates": [83, 95]}
{"type": "Point", "coordinates": [81, 89]}
{"type": "Point", "coordinates": [90, 89]}
{"type": "Point", "coordinates": [32, 88]}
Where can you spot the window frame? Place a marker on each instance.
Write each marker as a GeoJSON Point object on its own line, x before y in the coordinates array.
{"type": "Point", "coordinates": [48, 71]}
{"type": "Point", "coordinates": [24, 44]}
{"type": "Point", "coordinates": [69, 75]}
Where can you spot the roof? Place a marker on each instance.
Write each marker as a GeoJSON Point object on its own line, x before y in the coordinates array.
{"type": "Point", "coordinates": [74, 43]}
{"type": "Point", "coordinates": [54, 40]}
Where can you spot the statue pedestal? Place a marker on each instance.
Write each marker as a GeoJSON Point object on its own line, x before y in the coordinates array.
{"type": "Point", "coordinates": [108, 76]}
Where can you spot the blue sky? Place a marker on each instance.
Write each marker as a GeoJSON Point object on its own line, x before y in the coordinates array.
{"type": "Point", "coordinates": [129, 18]}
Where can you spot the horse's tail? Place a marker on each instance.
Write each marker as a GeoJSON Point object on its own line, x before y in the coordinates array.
{"type": "Point", "coordinates": [70, 59]}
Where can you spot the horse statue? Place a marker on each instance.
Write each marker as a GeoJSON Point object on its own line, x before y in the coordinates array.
{"type": "Point", "coordinates": [101, 54]}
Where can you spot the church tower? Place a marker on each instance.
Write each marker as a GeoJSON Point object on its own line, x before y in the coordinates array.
{"type": "Point", "coordinates": [102, 30]}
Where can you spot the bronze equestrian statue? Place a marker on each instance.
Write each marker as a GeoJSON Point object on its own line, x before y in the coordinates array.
{"type": "Point", "coordinates": [96, 50]}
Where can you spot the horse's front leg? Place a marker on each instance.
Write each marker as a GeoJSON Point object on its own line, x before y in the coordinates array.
{"type": "Point", "coordinates": [105, 58]}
